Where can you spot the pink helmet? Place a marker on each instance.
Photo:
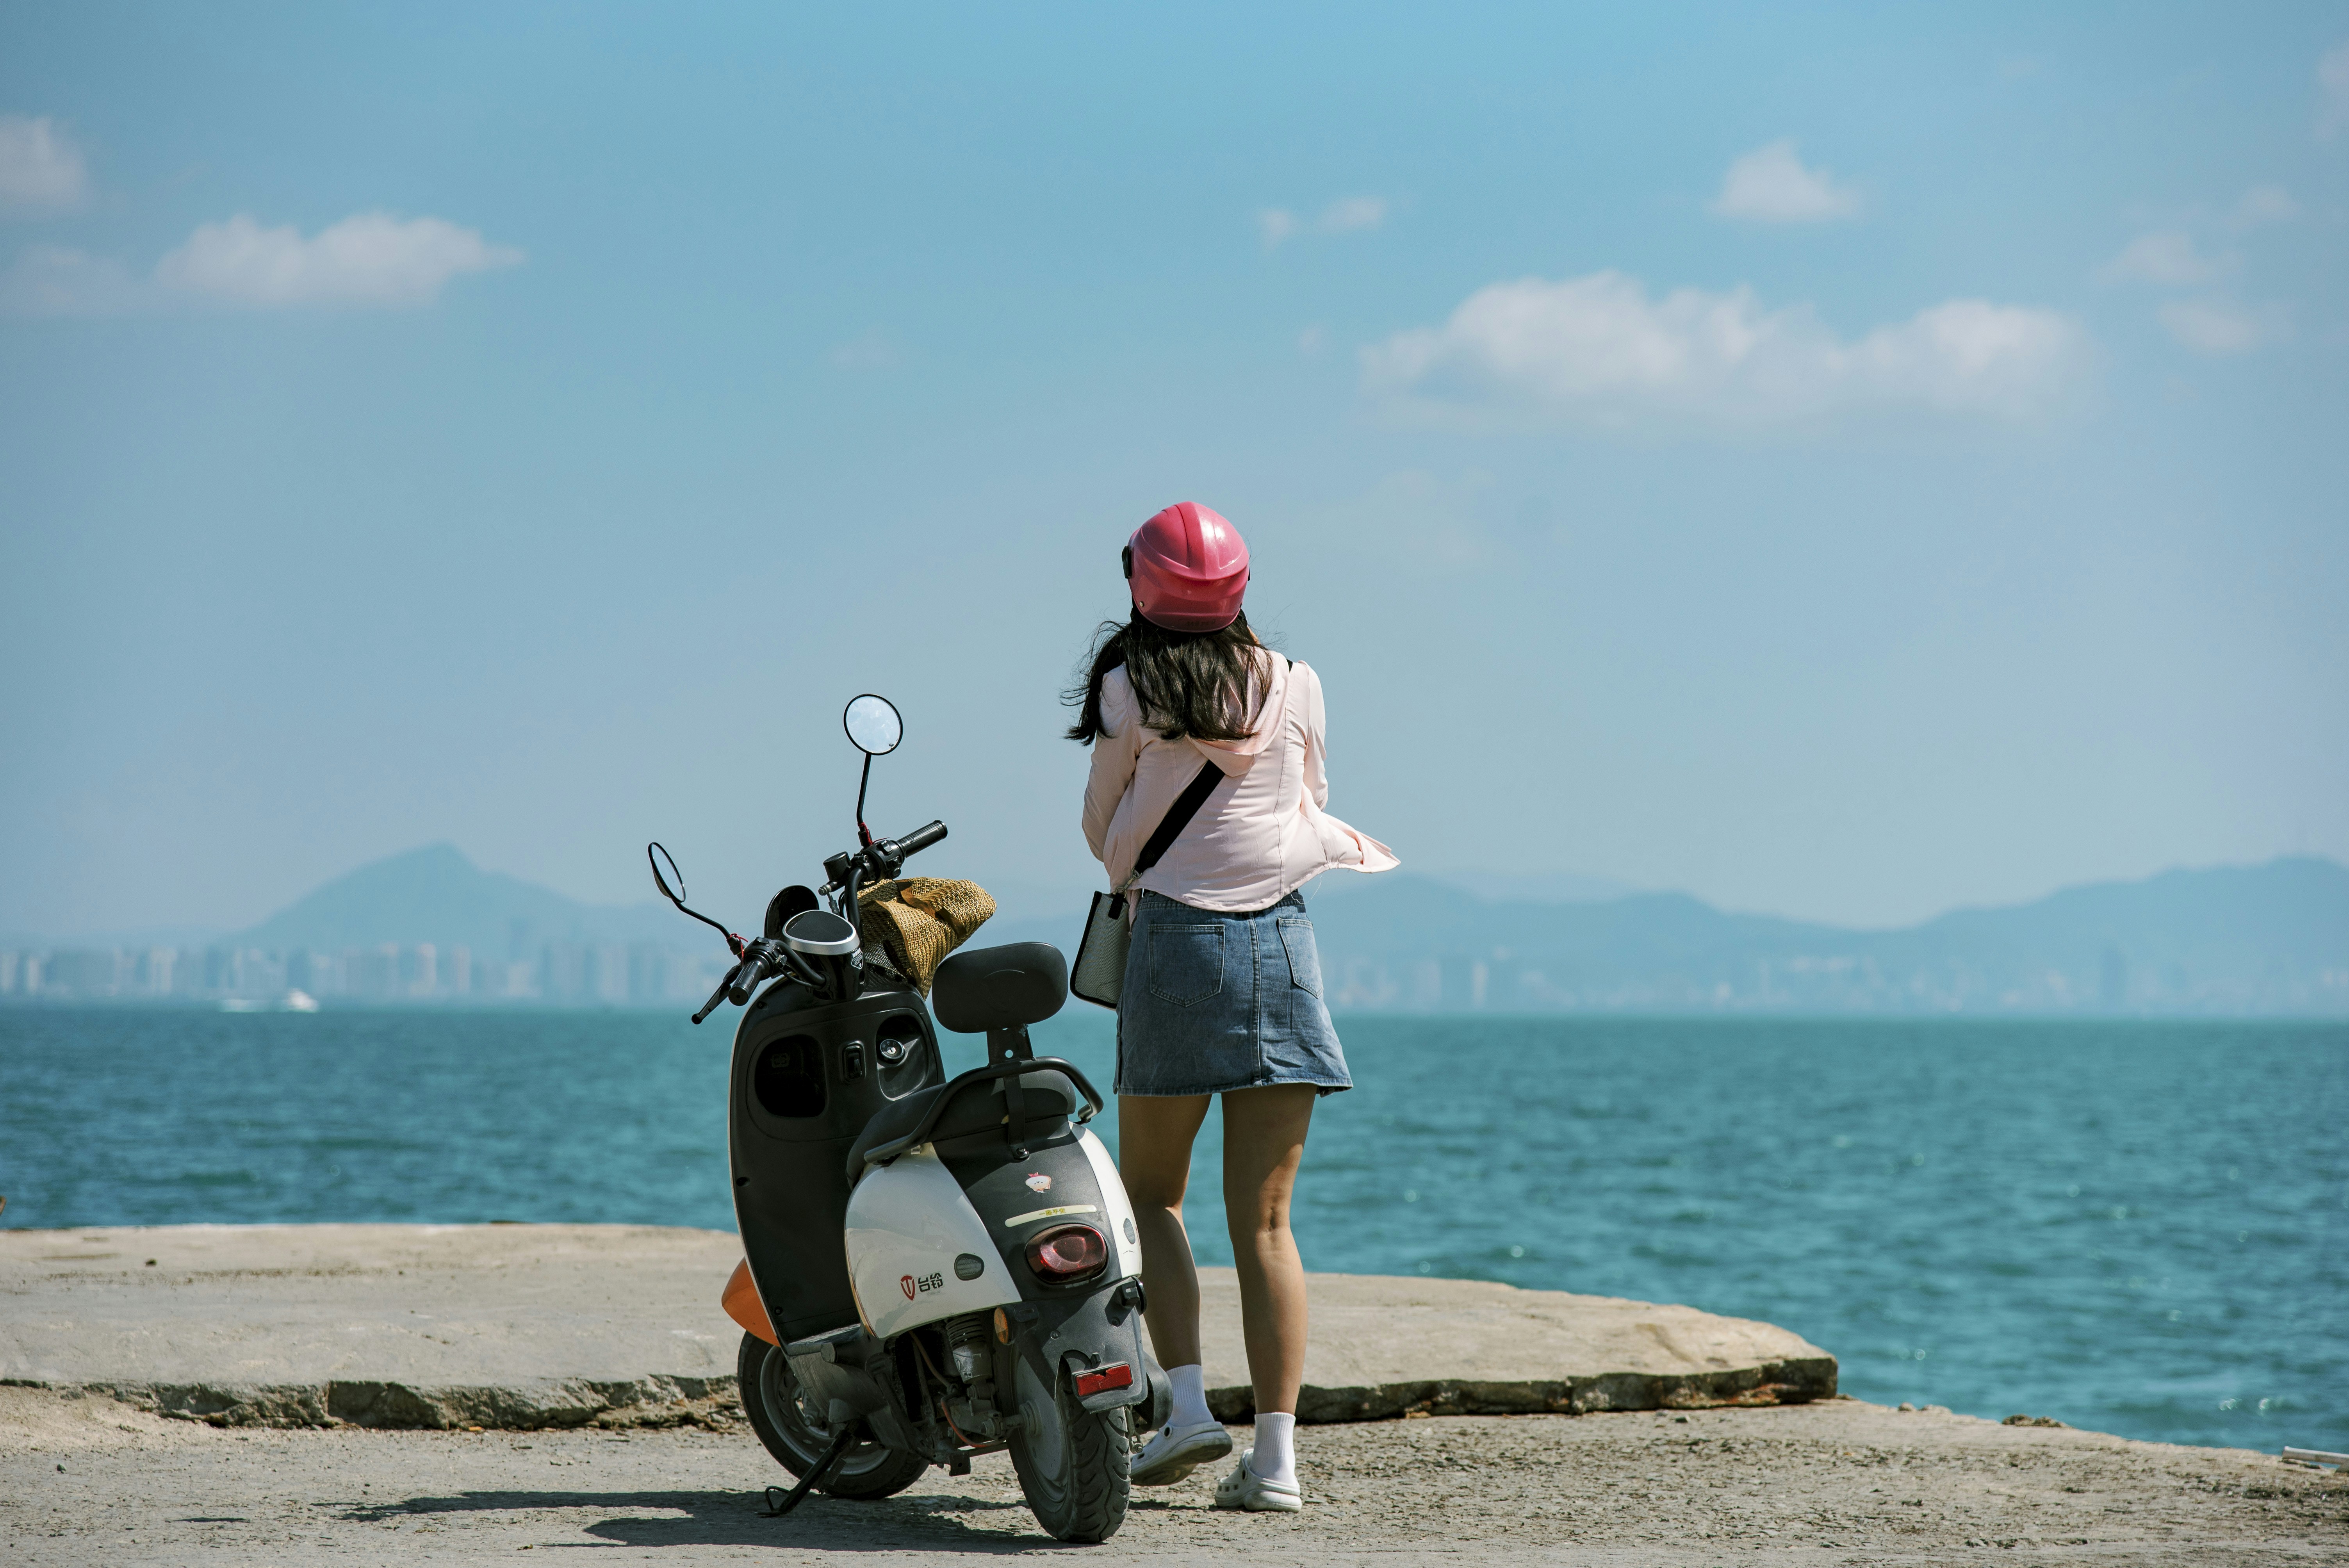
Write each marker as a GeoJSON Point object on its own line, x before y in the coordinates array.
{"type": "Point", "coordinates": [1188, 568]}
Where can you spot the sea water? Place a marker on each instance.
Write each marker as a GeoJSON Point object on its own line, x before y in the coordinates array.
{"type": "Point", "coordinates": [2139, 1227]}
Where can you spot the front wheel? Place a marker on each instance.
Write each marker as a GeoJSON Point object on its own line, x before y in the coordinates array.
{"type": "Point", "coordinates": [799, 1438]}
{"type": "Point", "coordinates": [1072, 1461]}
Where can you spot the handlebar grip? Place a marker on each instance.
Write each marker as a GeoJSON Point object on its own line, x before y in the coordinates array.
{"type": "Point", "coordinates": [746, 980]}
{"type": "Point", "coordinates": [921, 838]}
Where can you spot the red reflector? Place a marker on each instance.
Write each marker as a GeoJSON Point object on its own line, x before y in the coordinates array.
{"type": "Point", "coordinates": [1068, 1252]}
{"type": "Point", "coordinates": [1120, 1375]}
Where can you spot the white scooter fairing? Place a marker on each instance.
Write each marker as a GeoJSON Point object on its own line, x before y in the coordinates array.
{"type": "Point", "coordinates": [918, 1250]}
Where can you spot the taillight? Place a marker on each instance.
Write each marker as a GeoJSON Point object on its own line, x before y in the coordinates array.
{"type": "Point", "coordinates": [1067, 1253]}
{"type": "Point", "coordinates": [1117, 1376]}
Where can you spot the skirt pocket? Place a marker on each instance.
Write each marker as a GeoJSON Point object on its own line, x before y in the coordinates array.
{"type": "Point", "coordinates": [1186, 961]}
{"type": "Point", "coordinates": [1304, 957]}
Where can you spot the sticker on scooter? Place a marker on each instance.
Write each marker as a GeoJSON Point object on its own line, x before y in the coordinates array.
{"type": "Point", "coordinates": [1052, 1213]}
{"type": "Point", "coordinates": [910, 1286]}
{"type": "Point", "coordinates": [1039, 1182]}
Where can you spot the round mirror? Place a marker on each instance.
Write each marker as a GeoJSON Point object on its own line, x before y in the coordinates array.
{"type": "Point", "coordinates": [874, 725]}
{"type": "Point", "coordinates": [657, 854]}
{"type": "Point", "coordinates": [820, 933]}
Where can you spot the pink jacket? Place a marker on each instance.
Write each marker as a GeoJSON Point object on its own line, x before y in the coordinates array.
{"type": "Point", "coordinates": [1262, 833]}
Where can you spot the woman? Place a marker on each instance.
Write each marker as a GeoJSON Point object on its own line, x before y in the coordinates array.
{"type": "Point", "coordinates": [1222, 986]}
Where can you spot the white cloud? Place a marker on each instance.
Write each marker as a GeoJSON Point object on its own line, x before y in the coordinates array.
{"type": "Point", "coordinates": [1597, 348]}
{"type": "Point", "coordinates": [2332, 82]}
{"type": "Point", "coordinates": [40, 167]}
{"type": "Point", "coordinates": [2169, 257]}
{"type": "Point", "coordinates": [1770, 185]}
{"type": "Point", "coordinates": [1350, 215]}
{"type": "Point", "coordinates": [2266, 204]}
{"type": "Point", "coordinates": [372, 259]}
{"type": "Point", "coordinates": [2215, 327]}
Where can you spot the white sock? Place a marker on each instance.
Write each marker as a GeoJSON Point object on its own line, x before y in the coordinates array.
{"type": "Point", "coordinates": [1190, 1396]}
{"type": "Point", "coordinates": [1276, 1447]}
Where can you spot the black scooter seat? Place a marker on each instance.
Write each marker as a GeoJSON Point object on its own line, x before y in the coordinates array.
{"type": "Point", "coordinates": [1047, 1097]}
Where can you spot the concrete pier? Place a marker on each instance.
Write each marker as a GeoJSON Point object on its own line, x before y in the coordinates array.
{"type": "Point", "coordinates": [427, 1395]}
{"type": "Point", "coordinates": [528, 1327]}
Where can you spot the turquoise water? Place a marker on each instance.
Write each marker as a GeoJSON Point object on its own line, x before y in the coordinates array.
{"type": "Point", "coordinates": [2137, 1227]}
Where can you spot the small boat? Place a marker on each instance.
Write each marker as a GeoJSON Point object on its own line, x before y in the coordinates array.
{"type": "Point", "coordinates": [297, 1002]}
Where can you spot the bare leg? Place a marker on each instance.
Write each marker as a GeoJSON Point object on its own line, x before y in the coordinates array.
{"type": "Point", "coordinates": [1264, 1141]}
{"type": "Point", "coordinates": [1154, 1159]}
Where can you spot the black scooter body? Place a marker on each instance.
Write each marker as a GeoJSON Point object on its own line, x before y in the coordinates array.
{"type": "Point", "coordinates": [835, 1086]}
{"type": "Point", "coordinates": [806, 1078]}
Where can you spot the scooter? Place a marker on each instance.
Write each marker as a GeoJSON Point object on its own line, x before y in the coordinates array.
{"type": "Point", "coordinates": [932, 1270]}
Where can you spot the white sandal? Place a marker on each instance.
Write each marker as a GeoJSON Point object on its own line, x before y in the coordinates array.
{"type": "Point", "coordinates": [1173, 1452]}
{"type": "Point", "coordinates": [1246, 1489]}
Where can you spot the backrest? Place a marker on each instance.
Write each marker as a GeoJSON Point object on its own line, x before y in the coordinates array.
{"type": "Point", "coordinates": [1045, 1095]}
{"type": "Point", "coordinates": [975, 1126]}
{"type": "Point", "coordinates": [1006, 987]}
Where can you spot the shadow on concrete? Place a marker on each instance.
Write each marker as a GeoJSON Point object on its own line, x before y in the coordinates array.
{"type": "Point", "coordinates": [910, 1522]}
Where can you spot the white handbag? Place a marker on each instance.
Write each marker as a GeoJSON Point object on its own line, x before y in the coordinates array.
{"type": "Point", "coordinates": [1099, 974]}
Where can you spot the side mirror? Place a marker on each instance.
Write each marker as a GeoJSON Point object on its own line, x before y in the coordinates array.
{"type": "Point", "coordinates": [873, 725]}
{"type": "Point", "coordinates": [658, 856]}
{"type": "Point", "coordinates": [671, 883]}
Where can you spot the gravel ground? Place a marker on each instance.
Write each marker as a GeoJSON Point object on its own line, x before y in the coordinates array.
{"type": "Point", "coordinates": [86, 1479]}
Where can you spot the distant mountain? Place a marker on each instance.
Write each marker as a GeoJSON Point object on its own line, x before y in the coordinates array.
{"type": "Point", "coordinates": [2263, 939]}
{"type": "Point", "coordinates": [435, 894]}
{"type": "Point", "coordinates": [2271, 939]}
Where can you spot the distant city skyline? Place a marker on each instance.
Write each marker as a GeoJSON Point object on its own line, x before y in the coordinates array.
{"type": "Point", "coordinates": [563, 973]}
{"type": "Point", "coordinates": [1840, 461]}
{"type": "Point", "coordinates": [2252, 941]}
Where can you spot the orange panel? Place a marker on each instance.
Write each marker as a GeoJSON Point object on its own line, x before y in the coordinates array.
{"type": "Point", "coordinates": [743, 1305]}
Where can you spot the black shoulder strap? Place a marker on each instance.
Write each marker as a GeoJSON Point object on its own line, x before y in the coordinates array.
{"type": "Point", "coordinates": [1178, 816]}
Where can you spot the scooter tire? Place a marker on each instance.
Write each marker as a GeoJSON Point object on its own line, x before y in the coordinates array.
{"type": "Point", "coordinates": [1071, 1461]}
{"type": "Point", "coordinates": [770, 1397]}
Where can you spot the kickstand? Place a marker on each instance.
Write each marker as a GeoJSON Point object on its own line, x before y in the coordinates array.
{"type": "Point", "coordinates": [807, 1482]}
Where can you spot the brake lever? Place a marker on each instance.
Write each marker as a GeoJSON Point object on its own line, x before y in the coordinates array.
{"type": "Point", "coordinates": [717, 995]}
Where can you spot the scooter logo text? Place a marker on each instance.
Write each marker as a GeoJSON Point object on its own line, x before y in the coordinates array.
{"type": "Point", "coordinates": [911, 1285]}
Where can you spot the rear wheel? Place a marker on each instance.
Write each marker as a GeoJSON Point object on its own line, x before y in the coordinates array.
{"type": "Point", "coordinates": [1072, 1461]}
{"type": "Point", "coordinates": [799, 1437]}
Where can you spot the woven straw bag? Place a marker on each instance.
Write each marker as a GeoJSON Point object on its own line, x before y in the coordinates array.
{"type": "Point", "coordinates": [917, 920]}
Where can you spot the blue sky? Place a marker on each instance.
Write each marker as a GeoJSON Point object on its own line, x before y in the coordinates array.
{"type": "Point", "coordinates": [1841, 462]}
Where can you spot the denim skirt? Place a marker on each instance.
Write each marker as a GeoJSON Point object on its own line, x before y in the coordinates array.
{"type": "Point", "coordinates": [1216, 1002]}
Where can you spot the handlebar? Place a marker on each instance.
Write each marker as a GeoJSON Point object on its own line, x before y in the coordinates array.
{"type": "Point", "coordinates": [757, 965]}
{"type": "Point", "coordinates": [920, 839]}
{"type": "Point", "coordinates": [763, 960]}
{"type": "Point", "coordinates": [881, 859]}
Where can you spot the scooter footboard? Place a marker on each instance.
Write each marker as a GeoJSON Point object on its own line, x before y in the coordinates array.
{"type": "Point", "coordinates": [850, 1375]}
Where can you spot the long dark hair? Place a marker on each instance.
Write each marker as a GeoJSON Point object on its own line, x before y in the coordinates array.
{"type": "Point", "coordinates": [1204, 684]}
